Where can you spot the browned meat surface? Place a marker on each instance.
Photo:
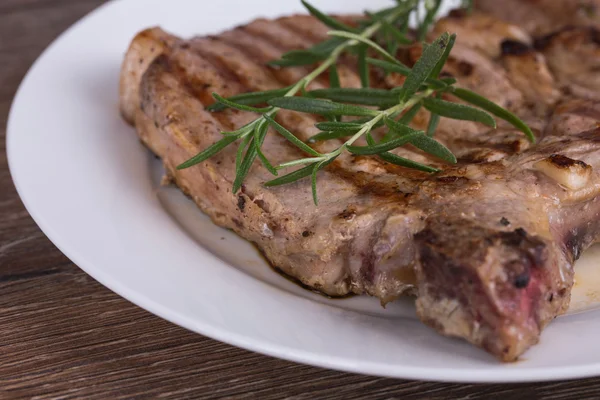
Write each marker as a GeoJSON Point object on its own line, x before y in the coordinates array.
{"type": "Point", "coordinates": [541, 17]}
{"type": "Point", "coordinates": [488, 244]}
{"type": "Point", "coordinates": [565, 31]}
{"type": "Point", "coordinates": [573, 56]}
{"type": "Point", "coordinates": [496, 31]}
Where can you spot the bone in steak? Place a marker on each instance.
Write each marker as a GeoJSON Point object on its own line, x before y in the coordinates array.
{"type": "Point", "coordinates": [489, 244]}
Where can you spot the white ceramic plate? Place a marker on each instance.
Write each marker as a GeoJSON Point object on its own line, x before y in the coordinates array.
{"type": "Point", "coordinates": [94, 190]}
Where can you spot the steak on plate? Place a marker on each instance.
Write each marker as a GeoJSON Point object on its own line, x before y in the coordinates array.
{"type": "Point", "coordinates": [488, 244]}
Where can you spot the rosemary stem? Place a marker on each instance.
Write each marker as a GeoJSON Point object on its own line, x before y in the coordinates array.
{"type": "Point", "coordinates": [324, 66]}
{"type": "Point", "coordinates": [308, 160]}
{"type": "Point", "coordinates": [332, 59]}
{"type": "Point", "coordinates": [368, 126]}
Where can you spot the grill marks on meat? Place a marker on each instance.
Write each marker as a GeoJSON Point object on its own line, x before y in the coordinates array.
{"type": "Point", "coordinates": [262, 51]}
{"type": "Point", "coordinates": [490, 243]}
{"type": "Point", "coordinates": [325, 260]}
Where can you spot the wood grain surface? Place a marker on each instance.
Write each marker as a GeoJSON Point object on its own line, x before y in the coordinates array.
{"type": "Point", "coordinates": [64, 336]}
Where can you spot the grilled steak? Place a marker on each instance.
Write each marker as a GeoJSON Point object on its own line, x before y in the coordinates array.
{"type": "Point", "coordinates": [488, 244]}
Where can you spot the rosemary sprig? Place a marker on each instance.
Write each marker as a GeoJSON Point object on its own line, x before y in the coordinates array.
{"type": "Point", "coordinates": [389, 109]}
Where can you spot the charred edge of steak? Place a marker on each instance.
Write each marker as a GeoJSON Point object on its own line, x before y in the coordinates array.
{"type": "Point", "coordinates": [458, 13]}
{"type": "Point", "coordinates": [542, 42]}
{"type": "Point", "coordinates": [515, 48]}
{"type": "Point", "coordinates": [241, 203]}
{"type": "Point", "coordinates": [592, 33]}
{"type": "Point", "coordinates": [495, 278]}
{"type": "Point", "coordinates": [578, 239]}
{"type": "Point", "coordinates": [565, 162]}
{"type": "Point", "coordinates": [574, 242]}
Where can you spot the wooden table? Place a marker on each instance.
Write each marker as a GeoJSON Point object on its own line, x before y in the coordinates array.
{"type": "Point", "coordinates": [63, 335]}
